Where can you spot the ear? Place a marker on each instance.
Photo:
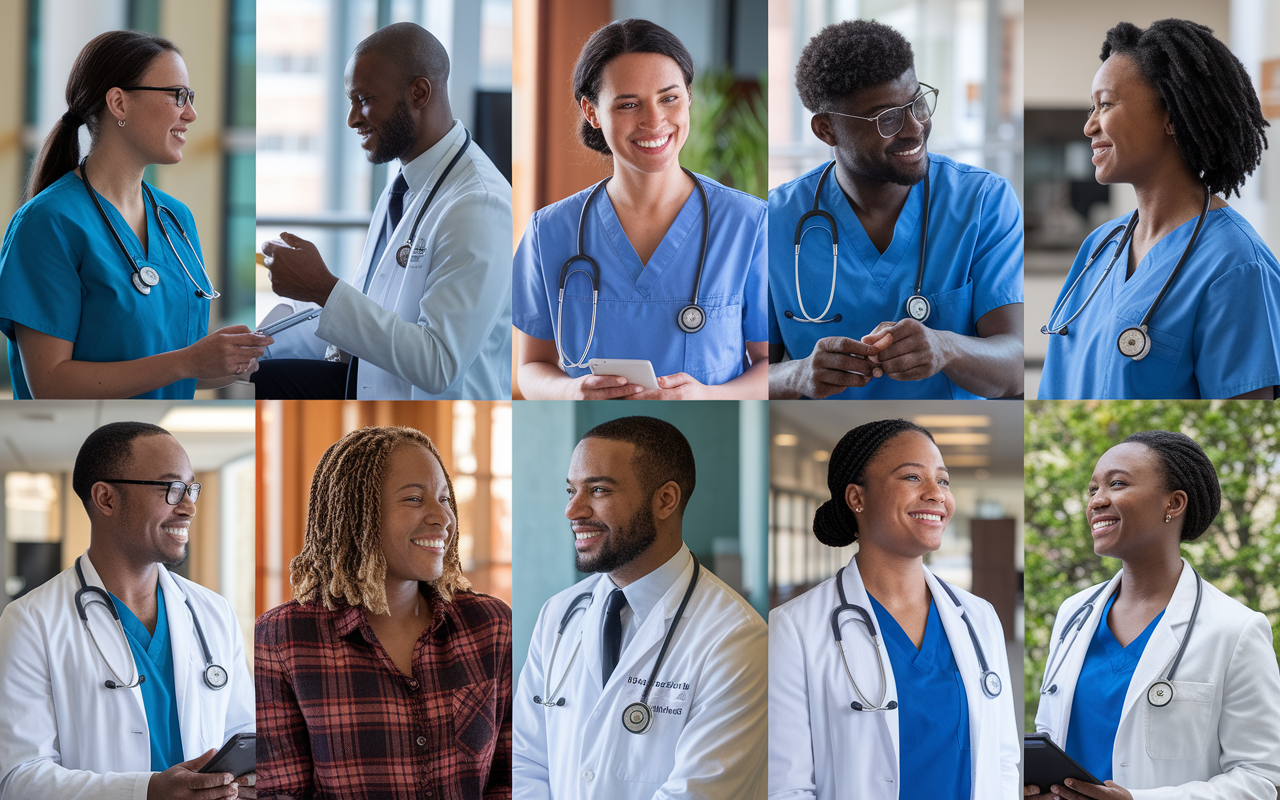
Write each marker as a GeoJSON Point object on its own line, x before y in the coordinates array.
{"type": "Point", "coordinates": [1176, 504]}
{"type": "Point", "coordinates": [115, 101]}
{"type": "Point", "coordinates": [823, 129]}
{"type": "Point", "coordinates": [853, 498]}
{"type": "Point", "coordinates": [105, 499]}
{"type": "Point", "coordinates": [420, 92]}
{"type": "Point", "coordinates": [589, 111]}
{"type": "Point", "coordinates": [666, 500]}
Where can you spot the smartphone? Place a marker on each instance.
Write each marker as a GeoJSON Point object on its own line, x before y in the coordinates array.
{"type": "Point", "coordinates": [636, 370]}
{"type": "Point", "coordinates": [288, 322]}
{"type": "Point", "coordinates": [238, 756]}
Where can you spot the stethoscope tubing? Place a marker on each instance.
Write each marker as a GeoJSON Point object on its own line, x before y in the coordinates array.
{"type": "Point", "coordinates": [406, 250]}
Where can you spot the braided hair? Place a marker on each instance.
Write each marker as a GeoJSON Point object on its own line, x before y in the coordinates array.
{"type": "Point", "coordinates": [1186, 467]}
{"type": "Point", "coordinates": [835, 524]}
{"type": "Point", "coordinates": [1216, 117]}
{"type": "Point", "coordinates": [342, 556]}
{"type": "Point", "coordinates": [847, 57]}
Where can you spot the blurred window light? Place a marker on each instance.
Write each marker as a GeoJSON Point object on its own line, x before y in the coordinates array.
{"type": "Point", "coordinates": [31, 507]}
{"type": "Point", "coordinates": [786, 440]}
{"type": "Point", "coordinates": [932, 421]}
{"type": "Point", "coordinates": [960, 438]}
{"type": "Point", "coordinates": [209, 418]}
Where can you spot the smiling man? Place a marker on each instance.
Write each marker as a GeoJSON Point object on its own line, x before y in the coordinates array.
{"type": "Point", "coordinates": [428, 314]}
{"type": "Point", "coordinates": [648, 679]}
{"type": "Point", "coordinates": [883, 310]}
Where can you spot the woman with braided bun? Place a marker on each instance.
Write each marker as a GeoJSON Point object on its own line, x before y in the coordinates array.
{"type": "Point", "coordinates": [884, 682]}
{"type": "Point", "coordinates": [1190, 304]}
{"type": "Point", "coordinates": [386, 676]}
{"type": "Point", "coordinates": [1172, 692]}
{"type": "Point", "coordinates": [103, 291]}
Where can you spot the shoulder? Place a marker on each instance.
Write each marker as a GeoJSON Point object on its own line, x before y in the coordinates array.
{"type": "Point", "coordinates": [1230, 616]}
{"type": "Point", "coordinates": [967, 179]}
{"type": "Point", "coordinates": [1077, 600]}
{"type": "Point", "coordinates": [797, 190]}
{"type": "Point", "coordinates": [203, 595]}
{"type": "Point", "coordinates": [1234, 242]}
{"type": "Point", "coordinates": [175, 205]}
{"type": "Point", "coordinates": [65, 200]}
{"type": "Point", "coordinates": [475, 610]}
{"type": "Point", "coordinates": [564, 212]}
{"type": "Point", "coordinates": [736, 200]}
{"type": "Point", "coordinates": [981, 610]}
{"type": "Point", "coordinates": [291, 622]}
{"type": "Point", "coordinates": [560, 601]}
{"type": "Point", "coordinates": [815, 603]}
{"type": "Point", "coordinates": [44, 600]}
{"type": "Point", "coordinates": [482, 179]}
{"type": "Point", "coordinates": [730, 609]}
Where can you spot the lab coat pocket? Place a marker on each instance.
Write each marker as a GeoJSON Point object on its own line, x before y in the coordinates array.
{"type": "Point", "coordinates": [1180, 729]}
{"type": "Point", "coordinates": [475, 726]}
{"type": "Point", "coordinates": [649, 757]}
{"type": "Point", "coordinates": [953, 311]}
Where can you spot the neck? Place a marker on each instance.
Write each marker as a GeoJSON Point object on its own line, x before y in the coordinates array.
{"type": "Point", "coordinates": [435, 126]}
{"type": "Point", "coordinates": [133, 583]}
{"type": "Point", "coordinates": [891, 578]}
{"type": "Point", "coordinates": [1171, 197]}
{"type": "Point", "coordinates": [115, 175]}
{"type": "Point", "coordinates": [633, 189]}
{"type": "Point", "coordinates": [405, 602]}
{"type": "Point", "coordinates": [659, 553]}
{"type": "Point", "coordinates": [1151, 578]}
{"type": "Point", "coordinates": [871, 196]}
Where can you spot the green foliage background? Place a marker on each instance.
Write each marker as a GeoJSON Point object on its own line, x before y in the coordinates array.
{"type": "Point", "coordinates": [728, 137]}
{"type": "Point", "coordinates": [1238, 553]}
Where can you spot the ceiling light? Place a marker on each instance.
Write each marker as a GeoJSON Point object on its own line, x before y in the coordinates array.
{"type": "Point", "coordinates": [968, 461]}
{"type": "Point", "coordinates": [953, 421]}
{"type": "Point", "coordinates": [786, 440]}
{"type": "Point", "coordinates": [821, 456]}
{"type": "Point", "coordinates": [209, 419]}
{"type": "Point", "coordinates": [956, 438]}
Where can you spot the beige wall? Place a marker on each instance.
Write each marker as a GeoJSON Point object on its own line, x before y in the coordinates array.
{"type": "Point", "coordinates": [13, 26]}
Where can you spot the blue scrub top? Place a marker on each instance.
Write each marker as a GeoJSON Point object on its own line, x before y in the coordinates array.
{"type": "Point", "coordinates": [933, 711]}
{"type": "Point", "coordinates": [1100, 690]}
{"type": "Point", "coordinates": [1216, 333]}
{"type": "Point", "coordinates": [638, 303]}
{"type": "Point", "coordinates": [154, 657]}
{"type": "Point", "coordinates": [62, 273]}
{"type": "Point", "coordinates": [974, 265]}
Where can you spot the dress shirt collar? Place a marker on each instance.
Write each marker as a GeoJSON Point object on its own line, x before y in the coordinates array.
{"type": "Point", "coordinates": [418, 171]}
{"type": "Point", "coordinates": [647, 592]}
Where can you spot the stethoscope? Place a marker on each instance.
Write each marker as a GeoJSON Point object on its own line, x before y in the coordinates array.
{"type": "Point", "coordinates": [402, 254]}
{"type": "Point", "coordinates": [1160, 693]}
{"type": "Point", "coordinates": [637, 717]}
{"type": "Point", "coordinates": [1134, 341]}
{"type": "Point", "coordinates": [988, 680]}
{"type": "Point", "coordinates": [215, 677]}
{"type": "Point", "coordinates": [146, 277]}
{"type": "Point", "coordinates": [690, 319]}
{"type": "Point", "coordinates": [918, 306]}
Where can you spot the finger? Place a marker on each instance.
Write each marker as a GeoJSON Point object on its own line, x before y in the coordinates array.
{"type": "Point", "coordinates": [268, 248]}
{"type": "Point", "coordinates": [247, 338]}
{"type": "Point", "coordinates": [876, 343]}
{"type": "Point", "coordinates": [673, 380]}
{"type": "Point", "coordinates": [842, 361]}
{"type": "Point", "coordinates": [839, 379]}
{"type": "Point", "coordinates": [1088, 790]}
{"type": "Point", "coordinates": [1030, 790]}
{"type": "Point", "coordinates": [1065, 793]}
{"type": "Point", "coordinates": [293, 241]}
{"type": "Point", "coordinates": [234, 329]}
{"type": "Point", "coordinates": [609, 393]}
{"type": "Point", "coordinates": [841, 345]}
{"type": "Point", "coordinates": [603, 381]}
{"type": "Point", "coordinates": [199, 761]}
{"type": "Point", "coordinates": [649, 394]}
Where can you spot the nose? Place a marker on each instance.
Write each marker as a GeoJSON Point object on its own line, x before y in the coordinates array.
{"type": "Point", "coordinates": [577, 507]}
{"type": "Point", "coordinates": [189, 111]}
{"type": "Point", "coordinates": [652, 116]}
{"type": "Point", "coordinates": [911, 127]}
{"type": "Point", "coordinates": [354, 116]}
{"type": "Point", "coordinates": [1100, 499]}
{"type": "Point", "coordinates": [186, 506]}
{"type": "Point", "coordinates": [1091, 125]}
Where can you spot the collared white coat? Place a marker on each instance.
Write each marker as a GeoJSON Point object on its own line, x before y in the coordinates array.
{"type": "Point", "coordinates": [1219, 739]}
{"type": "Point", "coordinates": [819, 747]}
{"type": "Point", "coordinates": [63, 734]}
{"type": "Point", "coordinates": [439, 328]}
{"type": "Point", "coordinates": [708, 734]}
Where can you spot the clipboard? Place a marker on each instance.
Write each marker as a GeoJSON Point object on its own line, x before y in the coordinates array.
{"type": "Point", "coordinates": [1045, 764]}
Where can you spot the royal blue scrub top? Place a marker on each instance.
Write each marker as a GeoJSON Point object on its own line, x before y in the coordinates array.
{"type": "Point", "coordinates": [62, 273]}
{"type": "Point", "coordinates": [973, 265]}
{"type": "Point", "coordinates": [639, 303]}
{"type": "Point", "coordinates": [1216, 333]}
{"type": "Point", "coordinates": [154, 657]}
{"type": "Point", "coordinates": [933, 711]}
{"type": "Point", "coordinates": [1099, 698]}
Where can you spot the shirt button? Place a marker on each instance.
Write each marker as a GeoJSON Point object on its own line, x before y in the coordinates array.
{"type": "Point", "coordinates": [588, 776]}
{"type": "Point", "coordinates": [413, 684]}
{"type": "Point", "coordinates": [422, 741]}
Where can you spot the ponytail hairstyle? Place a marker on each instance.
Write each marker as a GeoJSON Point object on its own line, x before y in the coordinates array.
{"type": "Point", "coordinates": [111, 59]}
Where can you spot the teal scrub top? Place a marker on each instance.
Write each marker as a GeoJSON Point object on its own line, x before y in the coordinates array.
{"type": "Point", "coordinates": [62, 273]}
{"type": "Point", "coordinates": [154, 657]}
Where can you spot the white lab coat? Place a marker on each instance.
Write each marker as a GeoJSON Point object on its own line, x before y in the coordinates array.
{"type": "Point", "coordinates": [440, 328]}
{"type": "Point", "coordinates": [819, 747]}
{"type": "Point", "coordinates": [63, 734]}
{"type": "Point", "coordinates": [708, 734]}
{"type": "Point", "coordinates": [1219, 739]}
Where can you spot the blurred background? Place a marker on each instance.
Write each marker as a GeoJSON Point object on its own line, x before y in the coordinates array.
{"type": "Point", "coordinates": [972, 50]}
{"type": "Point", "coordinates": [39, 41]}
{"type": "Point", "coordinates": [474, 441]}
{"type": "Point", "coordinates": [724, 523]}
{"type": "Point", "coordinates": [981, 444]}
{"type": "Point", "coordinates": [1063, 201]}
{"type": "Point", "coordinates": [45, 527]}
{"type": "Point", "coordinates": [313, 178]}
{"type": "Point", "coordinates": [1064, 440]}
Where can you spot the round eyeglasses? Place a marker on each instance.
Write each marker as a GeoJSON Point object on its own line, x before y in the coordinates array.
{"type": "Point", "coordinates": [181, 94]}
{"type": "Point", "coordinates": [891, 120]}
{"type": "Point", "coordinates": [176, 489]}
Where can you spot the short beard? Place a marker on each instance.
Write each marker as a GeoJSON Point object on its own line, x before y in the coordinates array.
{"type": "Point", "coordinates": [887, 174]}
{"type": "Point", "coordinates": [395, 136]}
{"type": "Point", "coordinates": [623, 544]}
{"type": "Point", "coordinates": [186, 552]}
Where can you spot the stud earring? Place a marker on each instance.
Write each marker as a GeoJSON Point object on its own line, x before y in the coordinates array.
{"type": "Point", "coordinates": [120, 123]}
{"type": "Point", "coordinates": [858, 510]}
{"type": "Point", "coordinates": [1168, 517]}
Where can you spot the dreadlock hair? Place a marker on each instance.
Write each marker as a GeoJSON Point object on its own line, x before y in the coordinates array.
{"type": "Point", "coordinates": [662, 453]}
{"type": "Point", "coordinates": [1217, 120]}
{"type": "Point", "coordinates": [847, 57]}
{"type": "Point", "coordinates": [342, 556]}
{"type": "Point", "coordinates": [106, 453]}
{"type": "Point", "coordinates": [835, 524]}
{"type": "Point", "coordinates": [1186, 467]}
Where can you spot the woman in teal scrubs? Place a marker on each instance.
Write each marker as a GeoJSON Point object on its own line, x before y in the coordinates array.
{"type": "Point", "coordinates": [103, 291]}
{"type": "Point", "coordinates": [646, 228]}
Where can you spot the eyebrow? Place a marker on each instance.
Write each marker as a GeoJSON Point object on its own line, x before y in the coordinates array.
{"type": "Point", "coordinates": [173, 476]}
{"type": "Point", "coordinates": [421, 486]}
{"type": "Point", "coordinates": [660, 91]}
{"type": "Point", "coordinates": [594, 479]}
{"type": "Point", "coordinates": [917, 465]}
{"type": "Point", "coordinates": [1116, 471]}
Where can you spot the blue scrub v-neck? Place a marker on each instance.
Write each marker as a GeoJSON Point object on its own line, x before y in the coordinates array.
{"type": "Point", "coordinates": [903, 249]}
{"type": "Point", "coordinates": [154, 657]}
{"type": "Point", "coordinates": [1099, 697]}
{"type": "Point", "coordinates": [646, 275]}
{"type": "Point", "coordinates": [933, 711]}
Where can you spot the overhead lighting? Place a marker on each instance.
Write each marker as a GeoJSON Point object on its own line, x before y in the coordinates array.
{"type": "Point", "coordinates": [953, 421]}
{"type": "Point", "coordinates": [821, 456]}
{"type": "Point", "coordinates": [786, 440]}
{"type": "Point", "coordinates": [958, 438]}
{"type": "Point", "coordinates": [209, 419]}
{"type": "Point", "coordinates": [981, 474]}
{"type": "Point", "coordinates": [968, 461]}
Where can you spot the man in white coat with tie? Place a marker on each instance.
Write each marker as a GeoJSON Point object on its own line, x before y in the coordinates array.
{"type": "Point", "coordinates": [428, 314]}
{"type": "Point", "coordinates": [648, 679]}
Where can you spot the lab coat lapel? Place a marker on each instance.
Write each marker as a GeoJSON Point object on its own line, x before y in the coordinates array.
{"type": "Point", "coordinates": [970, 676]}
{"type": "Point", "coordinates": [1073, 661]}
{"type": "Point", "coordinates": [642, 651]}
{"type": "Point", "coordinates": [856, 593]}
{"type": "Point", "coordinates": [903, 251]}
{"type": "Point", "coordinates": [1158, 655]}
{"type": "Point", "coordinates": [593, 631]}
{"type": "Point", "coordinates": [377, 223]}
{"type": "Point", "coordinates": [113, 643]}
{"type": "Point", "coordinates": [182, 642]}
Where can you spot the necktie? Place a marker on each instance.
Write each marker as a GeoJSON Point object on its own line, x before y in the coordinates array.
{"type": "Point", "coordinates": [612, 632]}
{"type": "Point", "coordinates": [395, 210]}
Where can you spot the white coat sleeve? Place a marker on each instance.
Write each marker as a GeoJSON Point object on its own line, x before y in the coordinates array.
{"type": "Point", "coordinates": [722, 752]}
{"type": "Point", "coordinates": [791, 769]}
{"type": "Point", "coordinates": [30, 763]}
{"type": "Point", "coordinates": [1248, 730]}
{"type": "Point", "coordinates": [530, 776]}
{"type": "Point", "coordinates": [466, 294]}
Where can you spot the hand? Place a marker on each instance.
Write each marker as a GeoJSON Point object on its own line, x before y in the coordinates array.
{"type": "Point", "coordinates": [183, 782]}
{"type": "Point", "coordinates": [1032, 792]}
{"type": "Point", "coordinates": [1079, 790]}
{"type": "Point", "coordinates": [680, 386]}
{"type": "Point", "coordinates": [603, 387]}
{"type": "Point", "coordinates": [836, 363]}
{"type": "Point", "coordinates": [296, 269]}
{"type": "Point", "coordinates": [246, 784]}
{"type": "Point", "coordinates": [913, 352]}
{"type": "Point", "coordinates": [233, 350]}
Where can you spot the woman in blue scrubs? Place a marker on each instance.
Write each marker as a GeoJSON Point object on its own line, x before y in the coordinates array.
{"type": "Point", "coordinates": [911, 698]}
{"type": "Point", "coordinates": [1157, 680]}
{"type": "Point", "coordinates": [76, 259]}
{"type": "Point", "coordinates": [644, 227]}
{"type": "Point", "coordinates": [1175, 115]}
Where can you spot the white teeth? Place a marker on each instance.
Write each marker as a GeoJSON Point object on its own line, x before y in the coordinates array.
{"type": "Point", "coordinates": [910, 152]}
{"type": "Point", "coordinates": [1103, 523]}
{"type": "Point", "coordinates": [651, 143]}
{"type": "Point", "coordinates": [433, 544]}
{"type": "Point", "coordinates": [585, 535]}
{"type": "Point", "coordinates": [177, 533]}
{"type": "Point", "coordinates": [927, 517]}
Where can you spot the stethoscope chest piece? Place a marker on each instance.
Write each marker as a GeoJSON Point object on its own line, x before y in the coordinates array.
{"type": "Point", "coordinates": [215, 677]}
{"type": "Point", "coordinates": [637, 717]}
{"type": "Point", "coordinates": [692, 318]}
{"type": "Point", "coordinates": [140, 281]}
{"type": "Point", "coordinates": [1134, 342]}
{"type": "Point", "coordinates": [402, 255]}
{"type": "Point", "coordinates": [991, 684]}
{"type": "Point", "coordinates": [1160, 694]}
{"type": "Point", "coordinates": [918, 307]}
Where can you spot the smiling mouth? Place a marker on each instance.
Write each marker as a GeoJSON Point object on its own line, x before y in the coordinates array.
{"type": "Point", "coordinates": [652, 144]}
{"type": "Point", "coordinates": [582, 536]}
{"type": "Point", "coordinates": [909, 153]}
{"type": "Point", "coordinates": [180, 533]}
{"type": "Point", "coordinates": [1103, 524]}
{"type": "Point", "coordinates": [429, 544]}
{"type": "Point", "coordinates": [921, 515]}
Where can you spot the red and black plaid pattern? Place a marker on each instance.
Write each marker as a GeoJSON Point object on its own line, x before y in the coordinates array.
{"type": "Point", "coordinates": [337, 719]}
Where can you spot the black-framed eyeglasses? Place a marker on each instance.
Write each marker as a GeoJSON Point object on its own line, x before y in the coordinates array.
{"type": "Point", "coordinates": [180, 93]}
{"type": "Point", "coordinates": [176, 489]}
{"type": "Point", "coordinates": [891, 120]}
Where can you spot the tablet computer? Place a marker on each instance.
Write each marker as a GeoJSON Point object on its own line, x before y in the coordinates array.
{"type": "Point", "coordinates": [285, 323]}
{"type": "Point", "coordinates": [1045, 764]}
{"type": "Point", "coordinates": [238, 756]}
{"type": "Point", "coordinates": [636, 370]}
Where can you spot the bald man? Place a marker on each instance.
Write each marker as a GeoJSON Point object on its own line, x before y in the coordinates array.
{"type": "Point", "coordinates": [428, 315]}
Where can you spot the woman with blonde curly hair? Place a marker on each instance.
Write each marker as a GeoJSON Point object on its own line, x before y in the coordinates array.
{"type": "Point", "coordinates": [386, 676]}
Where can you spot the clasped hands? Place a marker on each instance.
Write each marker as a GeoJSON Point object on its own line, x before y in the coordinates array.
{"type": "Point", "coordinates": [905, 350]}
